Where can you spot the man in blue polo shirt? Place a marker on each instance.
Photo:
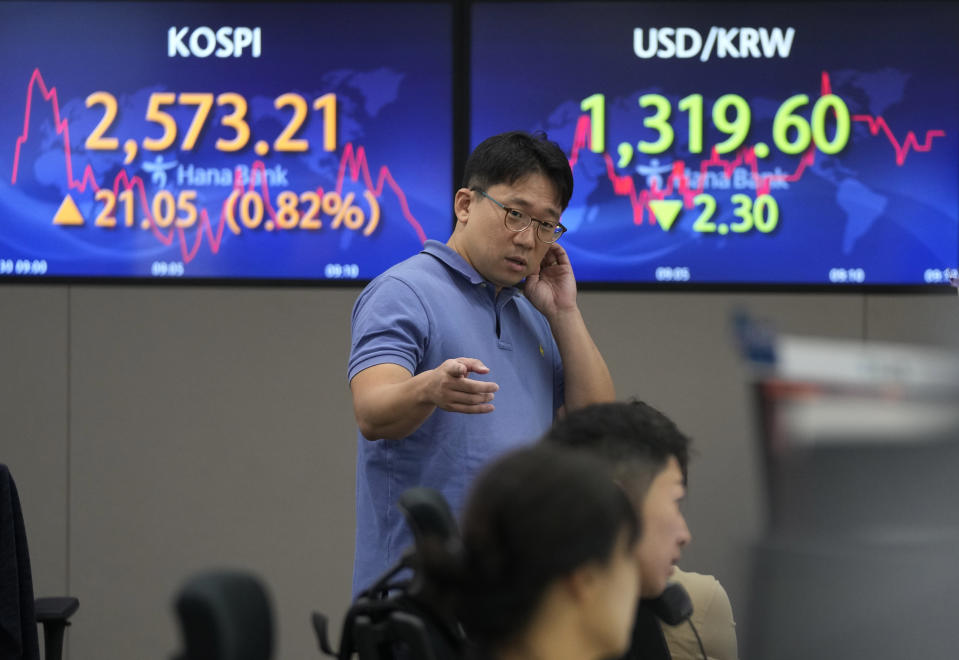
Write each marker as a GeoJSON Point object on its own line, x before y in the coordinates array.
{"type": "Point", "coordinates": [451, 364]}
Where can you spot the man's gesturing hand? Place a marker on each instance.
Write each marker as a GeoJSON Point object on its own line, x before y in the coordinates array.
{"type": "Point", "coordinates": [452, 389]}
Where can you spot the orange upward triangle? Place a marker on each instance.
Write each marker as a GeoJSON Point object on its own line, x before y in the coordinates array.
{"type": "Point", "coordinates": [68, 214]}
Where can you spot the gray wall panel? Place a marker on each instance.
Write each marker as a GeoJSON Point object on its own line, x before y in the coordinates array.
{"type": "Point", "coordinates": [33, 421]}
{"type": "Point", "coordinates": [212, 426]}
{"type": "Point", "coordinates": [930, 320]}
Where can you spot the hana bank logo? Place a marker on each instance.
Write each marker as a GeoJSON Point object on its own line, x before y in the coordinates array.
{"type": "Point", "coordinates": [737, 42]}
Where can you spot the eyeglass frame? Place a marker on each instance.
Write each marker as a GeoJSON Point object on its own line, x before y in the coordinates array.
{"type": "Point", "coordinates": [542, 223]}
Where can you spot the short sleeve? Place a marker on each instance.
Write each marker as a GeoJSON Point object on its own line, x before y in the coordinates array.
{"type": "Point", "coordinates": [390, 324]}
{"type": "Point", "coordinates": [717, 626]}
{"type": "Point", "coordinates": [712, 616]}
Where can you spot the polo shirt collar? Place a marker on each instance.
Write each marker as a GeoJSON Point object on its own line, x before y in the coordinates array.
{"type": "Point", "coordinates": [457, 263]}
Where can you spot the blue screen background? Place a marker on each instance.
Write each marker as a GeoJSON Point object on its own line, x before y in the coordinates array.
{"type": "Point", "coordinates": [393, 89]}
{"type": "Point", "coordinates": [857, 216]}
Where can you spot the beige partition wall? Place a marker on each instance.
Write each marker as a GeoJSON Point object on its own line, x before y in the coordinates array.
{"type": "Point", "coordinates": [156, 431]}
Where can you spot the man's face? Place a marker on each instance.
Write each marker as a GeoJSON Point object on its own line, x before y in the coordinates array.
{"type": "Point", "coordinates": [502, 256]}
{"type": "Point", "coordinates": [664, 529]}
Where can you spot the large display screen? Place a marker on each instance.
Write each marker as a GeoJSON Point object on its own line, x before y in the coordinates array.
{"type": "Point", "coordinates": [749, 143]}
{"type": "Point", "coordinates": [270, 140]}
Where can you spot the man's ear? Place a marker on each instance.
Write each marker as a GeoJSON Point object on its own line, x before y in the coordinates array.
{"type": "Point", "coordinates": [580, 583]}
{"type": "Point", "coordinates": [462, 202]}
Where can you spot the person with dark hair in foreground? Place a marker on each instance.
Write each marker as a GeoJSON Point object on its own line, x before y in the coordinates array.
{"type": "Point", "coordinates": [648, 456]}
{"type": "Point", "coordinates": [549, 567]}
{"type": "Point", "coordinates": [437, 336]}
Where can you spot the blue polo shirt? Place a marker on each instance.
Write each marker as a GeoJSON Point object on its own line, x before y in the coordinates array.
{"type": "Point", "coordinates": [432, 307]}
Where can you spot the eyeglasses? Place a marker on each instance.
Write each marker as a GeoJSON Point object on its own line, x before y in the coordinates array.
{"type": "Point", "coordinates": [516, 220]}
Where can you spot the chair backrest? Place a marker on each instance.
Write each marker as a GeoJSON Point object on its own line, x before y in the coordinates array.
{"type": "Point", "coordinates": [409, 618]}
{"type": "Point", "coordinates": [428, 516]}
{"type": "Point", "coordinates": [225, 615]}
{"type": "Point", "coordinates": [18, 631]}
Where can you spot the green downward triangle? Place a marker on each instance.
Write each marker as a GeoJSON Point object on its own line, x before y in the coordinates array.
{"type": "Point", "coordinates": [666, 211]}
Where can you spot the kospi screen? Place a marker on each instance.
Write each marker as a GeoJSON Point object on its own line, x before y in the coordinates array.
{"type": "Point", "coordinates": [289, 141]}
{"type": "Point", "coordinates": [808, 143]}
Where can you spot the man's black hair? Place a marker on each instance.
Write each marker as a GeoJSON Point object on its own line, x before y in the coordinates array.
{"type": "Point", "coordinates": [508, 157]}
{"type": "Point", "coordinates": [634, 439]}
{"type": "Point", "coordinates": [534, 516]}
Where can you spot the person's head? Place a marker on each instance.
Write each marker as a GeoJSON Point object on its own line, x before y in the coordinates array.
{"type": "Point", "coordinates": [648, 456]}
{"type": "Point", "coordinates": [546, 531]}
{"type": "Point", "coordinates": [521, 171]}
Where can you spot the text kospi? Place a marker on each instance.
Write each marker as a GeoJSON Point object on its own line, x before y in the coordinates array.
{"type": "Point", "coordinates": [204, 41]}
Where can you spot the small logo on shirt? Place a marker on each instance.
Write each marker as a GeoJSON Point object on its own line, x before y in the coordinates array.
{"type": "Point", "coordinates": [542, 353]}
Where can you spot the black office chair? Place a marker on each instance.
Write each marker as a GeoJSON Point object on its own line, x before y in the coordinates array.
{"type": "Point", "coordinates": [225, 615]}
{"type": "Point", "coordinates": [19, 611]}
{"type": "Point", "coordinates": [409, 619]}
